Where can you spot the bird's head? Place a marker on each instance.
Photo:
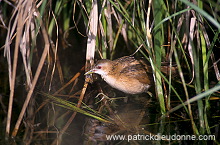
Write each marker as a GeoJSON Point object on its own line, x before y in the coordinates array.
{"type": "Point", "coordinates": [102, 67]}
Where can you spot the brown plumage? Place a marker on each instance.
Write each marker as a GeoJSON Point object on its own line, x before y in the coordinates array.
{"type": "Point", "coordinates": [128, 74]}
{"type": "Point", "coordinates": [125, 74]}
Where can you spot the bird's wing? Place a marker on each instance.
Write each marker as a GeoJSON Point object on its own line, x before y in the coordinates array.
{"type": "Point", "coordinates": [137, 72]}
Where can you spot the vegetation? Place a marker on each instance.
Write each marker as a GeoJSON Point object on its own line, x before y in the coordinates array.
{"type": "Point", "coordinates": [48, 45]}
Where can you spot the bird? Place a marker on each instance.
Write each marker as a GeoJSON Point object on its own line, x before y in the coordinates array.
{"type": "Point", "coordinates": [126, 74]}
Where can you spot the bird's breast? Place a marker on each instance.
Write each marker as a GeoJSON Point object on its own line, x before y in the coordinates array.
{"type": "Point", "coordinates": [131, 86]}
{"type": "Point", "coordinates": [110, 80]}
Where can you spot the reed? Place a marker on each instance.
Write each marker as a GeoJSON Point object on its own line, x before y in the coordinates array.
{"type": "Point", "coordinates": [36, 33]}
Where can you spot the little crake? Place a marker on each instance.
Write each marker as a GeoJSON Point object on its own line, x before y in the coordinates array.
{"type": "Point", "coordinates": [126, 74]}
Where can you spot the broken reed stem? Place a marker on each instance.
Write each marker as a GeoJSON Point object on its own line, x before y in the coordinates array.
{"type": "Point", "coordinates": [90, 52]}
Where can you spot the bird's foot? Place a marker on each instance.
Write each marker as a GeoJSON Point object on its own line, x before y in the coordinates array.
{"type": "Point", "coordinates": [105, 97]}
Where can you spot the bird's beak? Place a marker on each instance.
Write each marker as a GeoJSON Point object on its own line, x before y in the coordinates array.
{"type": "Point", "coordinates": [89, 72]}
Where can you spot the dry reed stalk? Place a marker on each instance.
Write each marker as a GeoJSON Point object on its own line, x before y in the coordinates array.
{"type": "Point", "coordinates": [62, 88]}
{"type": "Point", "coordinates": [92, 32]}
{"type": "Point", "coordinates": [91, 42]}
{"type": "Point", "coordinates": [57, 140]}
{"type": "Point", "coordinates": [22, 14]}
{"type": "Point", "coordinates": [108, 14]}
{"type": "Point", "coordinates": [56, 57]}
{"type": "Point", "coordinates": [190, 47]}
{"type": "Point", "coordinates": [38, 71]}
{"type": "Point", "coordinates": [149, 36]}
{"type": "Point", "coordinates": [68, 83]}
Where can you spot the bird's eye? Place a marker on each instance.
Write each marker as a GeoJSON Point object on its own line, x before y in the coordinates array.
{"type": "Point", "coordinates": [99, 67]}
